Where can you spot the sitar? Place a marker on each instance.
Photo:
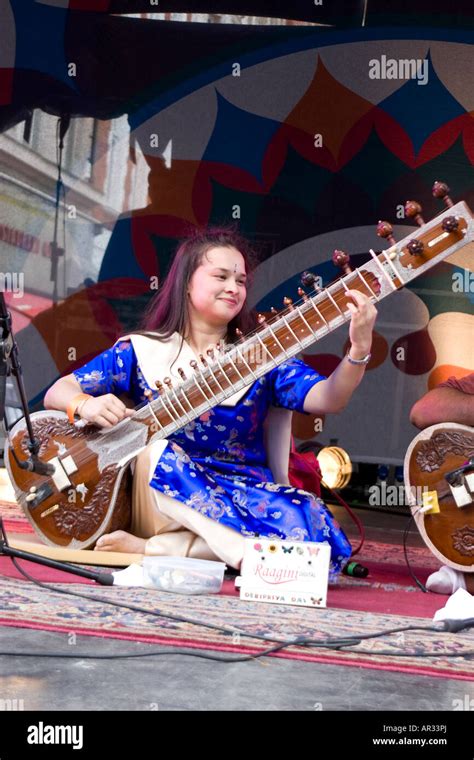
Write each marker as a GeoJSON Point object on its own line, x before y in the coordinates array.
{"type": "Point", "coordinates": [88, 492]}
{"type": "Point", "coordinates": [439, 483]}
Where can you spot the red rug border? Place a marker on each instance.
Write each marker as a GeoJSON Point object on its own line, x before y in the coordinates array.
{"type": "Point", "coordinates": [330, 660]}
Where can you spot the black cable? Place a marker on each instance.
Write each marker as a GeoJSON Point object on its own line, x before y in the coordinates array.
{"type": "Point", "coordinates": [405, 539]}
{"type": "Point", "coordinates": [348, 641]}
{"type": "Point", "coordinates": [413, 654]}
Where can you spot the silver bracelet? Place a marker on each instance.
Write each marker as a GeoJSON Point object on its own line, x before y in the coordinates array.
{"type": "Point", "coordinates": [358, 362]}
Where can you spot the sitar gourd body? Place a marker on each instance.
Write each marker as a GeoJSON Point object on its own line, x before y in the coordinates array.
{"type": "Point", "coordinates": [448, 530]}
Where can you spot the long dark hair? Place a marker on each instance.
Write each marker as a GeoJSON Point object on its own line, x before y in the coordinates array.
{"type": "Point", "coordinates": [168, 312]}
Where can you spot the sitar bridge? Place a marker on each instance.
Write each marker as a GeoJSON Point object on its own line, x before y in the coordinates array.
{"type": "Point", "coordinates": [461, 483]}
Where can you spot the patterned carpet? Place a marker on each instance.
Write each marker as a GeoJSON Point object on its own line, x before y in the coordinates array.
{"type": "Point", "coordinates": [387, 599]}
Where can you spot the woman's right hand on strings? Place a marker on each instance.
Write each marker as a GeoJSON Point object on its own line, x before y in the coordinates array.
{"type": "Point", "coordinates": [104, 411]}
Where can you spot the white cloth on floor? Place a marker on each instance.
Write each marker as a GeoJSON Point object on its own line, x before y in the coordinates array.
{"type": "Point", "coordinates": [446, 580]}
{"type": "Point", "coordinates": [460, 606]}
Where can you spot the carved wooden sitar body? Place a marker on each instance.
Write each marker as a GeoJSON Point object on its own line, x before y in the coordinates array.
{"type": "Point", "coordinates": [439, 482]}
{"type": "Point", "coordinates": [89, 492]}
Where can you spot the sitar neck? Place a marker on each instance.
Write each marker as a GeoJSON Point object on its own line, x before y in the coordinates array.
{"type": "Point", "coordinates": [304, 323]}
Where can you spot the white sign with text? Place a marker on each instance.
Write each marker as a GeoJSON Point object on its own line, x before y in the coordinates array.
{"type": "Point", "coordinates": [284, 572]}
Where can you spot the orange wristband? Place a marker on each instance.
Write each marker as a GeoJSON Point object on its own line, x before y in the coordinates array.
{"type": "Point", "coordinates": [74, 403]}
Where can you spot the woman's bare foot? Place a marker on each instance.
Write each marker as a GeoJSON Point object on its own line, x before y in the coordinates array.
{"type": "Point", "coordinates": [120, 541]}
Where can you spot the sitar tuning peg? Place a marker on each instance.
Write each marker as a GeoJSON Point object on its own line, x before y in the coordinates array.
{"type": "Point", "coordinates": [441, 190]}
{"type": "Point", "coordinates": [168, 382]}
{"type": "Point", "coordinates": [159, 386]}
{"type": "Point", "coordinates": [341, 259]}
{"type": "Point", "coordinates": [181, 373]}
{"type": "Point", "coordinates": [261, 319]}
{"type": "Point", "coordinates": [273, 311]}
{"type": "Point", "coordinates": [288, 302]}
{"type": "Point", "coordinates": [450, 223]}
{"type": "Point", "coordinates": [385, 230]}
{"type": "Point", "coordinates": [413, 211]}
{"type": "Point", "coordinates": [302, 294]}
{"type": "Point", "coordinates": [148, 394]}
{"type": "Point", "coordinates": [415, 247]}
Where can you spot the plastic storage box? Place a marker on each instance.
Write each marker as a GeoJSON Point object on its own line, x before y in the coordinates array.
{"type": "Point", "coordinates": [183, 575]}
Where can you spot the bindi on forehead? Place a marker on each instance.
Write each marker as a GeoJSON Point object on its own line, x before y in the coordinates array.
{"type": "Point", "coordinates": [230, 271]}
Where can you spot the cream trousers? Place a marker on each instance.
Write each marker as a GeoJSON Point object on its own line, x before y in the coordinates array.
{"type": "Point", "coordinates": [172, 528]}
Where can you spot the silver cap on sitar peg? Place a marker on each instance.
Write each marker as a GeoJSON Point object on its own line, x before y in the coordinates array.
{"type": "Point", "coordinates": [413, 211]}
{"type": "Point", "coordinates": [385, 230]}
{"type": "Point", "coordinates": [441, 190]}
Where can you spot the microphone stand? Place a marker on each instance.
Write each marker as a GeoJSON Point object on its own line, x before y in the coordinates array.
{"type": "Point", "coordinates": [9, 363]}
{"type": "Point", "coordinates": [104, 578]}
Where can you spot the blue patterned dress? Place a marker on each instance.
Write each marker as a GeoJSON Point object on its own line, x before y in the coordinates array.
{"type": "Point", "coordinates": [217, 464]}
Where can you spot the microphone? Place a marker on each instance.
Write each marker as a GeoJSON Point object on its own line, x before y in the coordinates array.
{"type": "Point", "coordinates": [355, 570]}
{"type": "Point", "coordinates": [36, 465]}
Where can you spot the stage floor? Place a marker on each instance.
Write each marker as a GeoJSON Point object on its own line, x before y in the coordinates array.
{"type": "Point", "coordinates": [176, 682]}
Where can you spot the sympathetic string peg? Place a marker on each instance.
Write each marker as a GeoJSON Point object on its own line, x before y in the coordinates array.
{"type": "Point", "coordinates": [341, 259]}
{"type": "Point", "coordinates": [441, 190]}
{"type": "Point", "coordinates": [450, 223]}
{"type": "Point", "coordinates": [148, 395]}
{"type": "Point", "coordinates": [413, 211]}
{"type": "Point", "coordinates": [168, 382]}
{"type": "Point", "coordinates": [288, 302]}
{"type": "Point", "coordinates": [385, 230]}
{"type": "Point", "coordinates": [273, 311]}
{"type": "Point", "coordinates": [302, 294]}
{"type": "Point", "coordinates": [202, 360]}
{"type": "Point", "coordinates": [415, 247]}
{"type": "Point", "coordinates": [181, 373]}
{"type": "Point", "coordinates": [159, 386]}
{"type": "Point", "coordinates": [261, 319]}
{"type": "Point", "coordinates": [239, 333]}
{"type": "Point", "coordinates": [193, 363]}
